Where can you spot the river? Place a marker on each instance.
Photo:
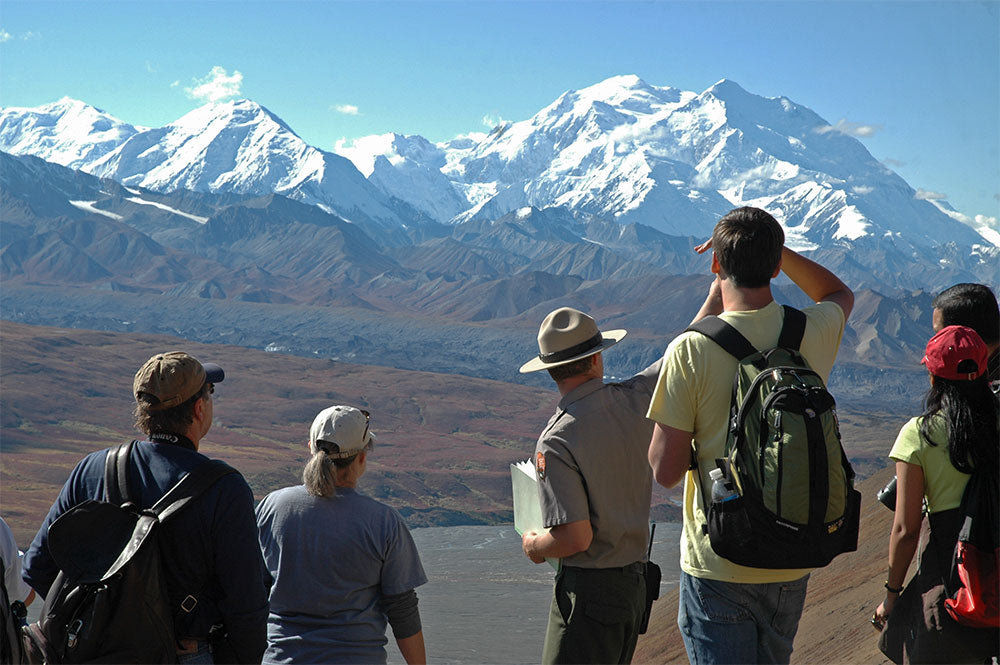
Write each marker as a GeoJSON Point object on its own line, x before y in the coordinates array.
{"type": "Point", "coordinates": [485, 602]}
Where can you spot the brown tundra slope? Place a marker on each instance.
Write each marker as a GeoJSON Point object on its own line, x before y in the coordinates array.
{"type": "Point", "coordinates": [445, 442]}
{"type": "Point", "coordinates": [835, 624]}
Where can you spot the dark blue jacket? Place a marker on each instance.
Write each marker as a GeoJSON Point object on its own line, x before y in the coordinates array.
{"type": "Point", "coordinates": [210, 548]}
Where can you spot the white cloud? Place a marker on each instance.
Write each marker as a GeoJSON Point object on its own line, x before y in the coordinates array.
{"type": "Point", "coordinates": [175, 84]}
{"type": "Point", "coordinates": [151, 68]}
{"type": "Point", "coordinates": [855, 129]}
{"type": "Point", "coordinates": [5, 36]}
{"type": "Point", "coordinates": [491, 120]}
{"type": "Point", "coordinates": [216, 86]}
{"type": "Point", "coordinates": [929, 195]}
{"type": "Point", "coordinates": [346, 109]}
{"type": "Point", "coordinates": [987, 221]}
{"type": "Point", "coordinates": [30, 35]}
{"type": "Point", "coordinates": [861, 190]}
{"type": "Point", "coordinates": [986, 226]}
{"type": "Point", "coordinates": [364, 150]}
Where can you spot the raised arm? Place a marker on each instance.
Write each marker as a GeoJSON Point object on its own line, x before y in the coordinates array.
{"type": "Point", "coordinates": [816, 281]}
{"type": "Point", "coordinates": [713, 302]}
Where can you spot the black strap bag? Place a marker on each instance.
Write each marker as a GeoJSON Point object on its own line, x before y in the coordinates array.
{"type": "Point", "coordinates": [109, 602]}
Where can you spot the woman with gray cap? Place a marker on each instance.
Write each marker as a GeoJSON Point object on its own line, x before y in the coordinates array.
{"type": "Point", "coordinates": [342, 565]}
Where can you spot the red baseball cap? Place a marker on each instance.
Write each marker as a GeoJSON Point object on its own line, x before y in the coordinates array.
{"type": "Point", "coordinates": [949, 347]}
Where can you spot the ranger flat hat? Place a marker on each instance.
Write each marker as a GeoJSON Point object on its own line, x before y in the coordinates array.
{"type": "Point", "coordinates": [173, 378]}
{"type": "Point", "coordinates": [341, 432]}
{"type": "Point", "coordinates": [567, 335]}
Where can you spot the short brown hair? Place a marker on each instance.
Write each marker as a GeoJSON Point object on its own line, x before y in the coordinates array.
{"type": "Point", "coordinates": [173, 421]}
{"type": "Point", "coordinates": [747, 243]}
{"type": "Point", "coordinates": [563, 372]}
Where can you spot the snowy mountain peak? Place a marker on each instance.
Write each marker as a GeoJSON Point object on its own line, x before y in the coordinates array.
{"type": "Point", "coordinates": [234, 146]}
{"type": "Point", "coordinates": [615, 88]}
{"type": "Point", "coordinates": [67, 132]}
{"type": "Point", "coordinates": [620, 149]}
{"type": "Point", "coordinates": [727, 89]}
{"type": "Point", "coordinates": [396, 148]}
{"type": "Point", "coordinates": [234, 113]}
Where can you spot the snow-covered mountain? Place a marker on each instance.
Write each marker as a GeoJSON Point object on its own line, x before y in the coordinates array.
{"type": "Point", "coordinates": [673, 160]}
{"type": "Point", "coordinates": [621, 150]}
{"type": "Point", "coordinates": [229, 147]}
{"type": "Point", "coordinates": [68, 132]}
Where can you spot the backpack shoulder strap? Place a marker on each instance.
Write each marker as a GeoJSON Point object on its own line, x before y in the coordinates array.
{"type": "Point", "coordinates": [792, 328]}
{"type": "Point", "coordinates": [188, 488]}
{"type": "Point", "coordinates": [726, 336]}
{"type": "Point", "coordinates": [116, 489]}
{"type": "Point", "coordinates": [177, 497]}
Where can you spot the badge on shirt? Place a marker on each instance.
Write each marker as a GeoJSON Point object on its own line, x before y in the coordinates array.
{"type": "Point", "coordinates": [540, 465]}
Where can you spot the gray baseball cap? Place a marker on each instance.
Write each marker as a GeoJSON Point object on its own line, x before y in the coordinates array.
{"type": "Point", "coordinates": [341, 432]}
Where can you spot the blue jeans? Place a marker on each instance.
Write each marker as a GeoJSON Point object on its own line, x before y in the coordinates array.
{"type": "Point", "coordinates": [729, 622]}
{"type": "Point", "coordinates": [203, 656]}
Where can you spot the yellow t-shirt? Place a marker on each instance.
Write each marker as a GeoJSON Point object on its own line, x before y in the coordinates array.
{"type": "Point", "coordinates": [692, 394]}
{"type": "Point", "coordinates": [943, 483]}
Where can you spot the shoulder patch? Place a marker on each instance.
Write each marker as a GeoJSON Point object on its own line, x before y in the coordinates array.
{"type": "Point", "coordinates": [540, 465]}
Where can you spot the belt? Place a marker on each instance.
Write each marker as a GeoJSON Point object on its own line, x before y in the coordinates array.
{"type": "Point", "coordinates": [637, 568]}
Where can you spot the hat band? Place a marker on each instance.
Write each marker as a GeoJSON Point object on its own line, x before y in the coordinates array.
{"type": "Point", "coordinates": [582, 347]}
{"type": "Point", "coordinates": [340, 453]}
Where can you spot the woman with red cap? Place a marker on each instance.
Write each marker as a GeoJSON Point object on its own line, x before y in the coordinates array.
{"type": "Point", "coordinates": [935, 454]}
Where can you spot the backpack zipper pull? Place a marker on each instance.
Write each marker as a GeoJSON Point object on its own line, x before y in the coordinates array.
{"type": "Point", "coordinates": [71, 634]}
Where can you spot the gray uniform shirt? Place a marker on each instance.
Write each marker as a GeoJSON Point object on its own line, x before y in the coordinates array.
{"type": "Point", "coordinates": [592, 464]}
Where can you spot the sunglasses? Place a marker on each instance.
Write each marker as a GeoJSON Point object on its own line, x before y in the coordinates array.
{"type": "Point", "coordinates": [368, 423]}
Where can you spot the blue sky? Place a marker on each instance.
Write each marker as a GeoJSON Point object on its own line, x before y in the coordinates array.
{"type": "Point", "coordinates": [917, 82]}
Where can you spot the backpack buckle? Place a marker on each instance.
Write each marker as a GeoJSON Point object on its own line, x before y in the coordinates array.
{"type": "Point", "coordinates": [189, 603]}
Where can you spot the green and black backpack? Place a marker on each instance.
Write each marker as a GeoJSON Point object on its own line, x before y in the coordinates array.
{"type": "Point", "coordinates": [797, 506]}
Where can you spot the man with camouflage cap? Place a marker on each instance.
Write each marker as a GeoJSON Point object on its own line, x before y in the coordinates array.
{"type": "Point", "coordinates": [213, 563]}
{"type": "Point", "coordinates": [594, 484]}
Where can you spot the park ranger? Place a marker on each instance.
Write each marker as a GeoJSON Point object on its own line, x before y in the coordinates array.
{"type": "Point", "coordinates": [594, 484]}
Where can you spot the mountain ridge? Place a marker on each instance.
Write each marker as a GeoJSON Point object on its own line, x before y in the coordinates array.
{"type": "Point", "coordinates": [621, 149]}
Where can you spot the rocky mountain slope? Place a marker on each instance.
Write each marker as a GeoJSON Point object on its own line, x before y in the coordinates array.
{"type": "Point", "coordinates": [271, 272]}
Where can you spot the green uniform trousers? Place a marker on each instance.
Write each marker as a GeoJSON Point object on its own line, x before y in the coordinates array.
{"type": "Point", "coordinates": [595, 615]}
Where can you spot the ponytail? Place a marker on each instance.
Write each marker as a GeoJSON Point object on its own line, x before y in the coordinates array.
{"type": "Point", "coordinates": [320, 473]}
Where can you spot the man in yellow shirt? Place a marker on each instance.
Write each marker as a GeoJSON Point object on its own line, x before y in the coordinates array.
{"type": "Point", "coordinates": [729, 613]}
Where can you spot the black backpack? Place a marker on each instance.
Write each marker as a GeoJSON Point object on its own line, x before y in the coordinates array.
{"type": "Point", "coordinates": [109, 602]}
{"type": "Point", "coordinates": [797, 506]}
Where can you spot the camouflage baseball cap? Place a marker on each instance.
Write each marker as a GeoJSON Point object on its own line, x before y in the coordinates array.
{"type": "Point", "coordinates": [174, 377]}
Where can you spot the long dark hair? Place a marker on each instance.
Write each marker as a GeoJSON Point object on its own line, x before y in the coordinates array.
{"type": "Point", "coordinates": [971, 415]}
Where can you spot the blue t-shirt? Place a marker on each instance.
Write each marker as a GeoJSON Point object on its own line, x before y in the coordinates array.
{"type": "Point", "coordinates": [332, 559]}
